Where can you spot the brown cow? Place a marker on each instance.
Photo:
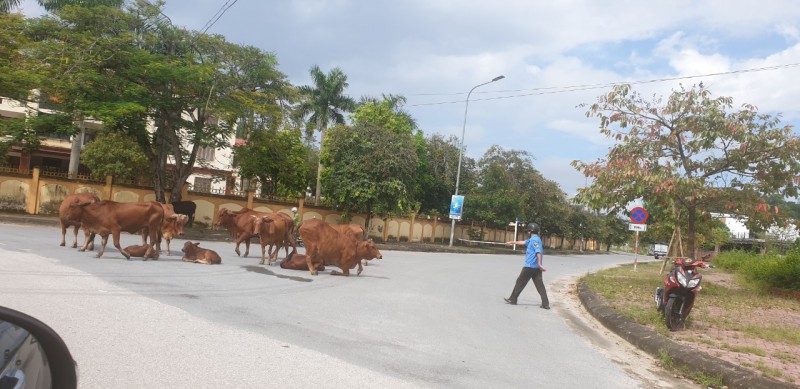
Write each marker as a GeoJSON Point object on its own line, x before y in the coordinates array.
{"type": "Point", "coordinates": [355, 232]}
{"type": "Point", "coordinates": [274, 230]}
{"type": "Point", "coordinates": [239, 225]}
{"type": "Point", "coordinates": [73, 220]}
{"type": "Point", "coordinates": [193, 253]}
{"type": "Point", "coordinates": [140, 251]}
{"type": "Point", "coordinates": [171, 227]}
{"type": "Point", "coordinates": [324, 243]}
{"type": "Point", "coordinates": [298, 262]}
{"type": "Point", "coordinates": [111, 218]}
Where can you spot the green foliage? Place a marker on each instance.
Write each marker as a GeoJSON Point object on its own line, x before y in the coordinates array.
{"type": "Point", "coordinates": [277, 159]}
{"type": "Point", "coordinates": [369, 168]}
{"type": "Point", "coordinates": [18, 74]}
{"type": "Point", "coordinates": [692, 152]}
{"type": "Point", "coordinates": [769, 270]}
{"type": "Point", "coordinates": [114, 154]}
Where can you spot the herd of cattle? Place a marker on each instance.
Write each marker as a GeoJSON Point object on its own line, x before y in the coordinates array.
{"type": "Point", "coordinates": [340, 245]}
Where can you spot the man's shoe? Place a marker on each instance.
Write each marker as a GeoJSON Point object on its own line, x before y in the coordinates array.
{"type": "Point", "coordinates": [544, 307]}
{"type": "Point", "coordinates": [508, 301]}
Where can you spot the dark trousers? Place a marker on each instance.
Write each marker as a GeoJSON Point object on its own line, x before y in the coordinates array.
{"type": "Point", "coordinates": [529, 273]}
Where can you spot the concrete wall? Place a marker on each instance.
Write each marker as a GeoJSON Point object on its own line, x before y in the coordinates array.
{"type": "Point", "coordinates": [34, 192]}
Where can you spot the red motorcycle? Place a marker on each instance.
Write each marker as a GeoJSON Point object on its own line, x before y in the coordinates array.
{"type": "Point", "coordinates": [676, 298]}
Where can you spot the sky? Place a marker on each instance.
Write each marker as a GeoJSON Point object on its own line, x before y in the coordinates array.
{"type": "Point", "coordinates": [434, 52]}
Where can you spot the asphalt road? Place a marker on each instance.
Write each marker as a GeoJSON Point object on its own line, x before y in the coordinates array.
{"type": "Point", "coordinates": [410, 320]}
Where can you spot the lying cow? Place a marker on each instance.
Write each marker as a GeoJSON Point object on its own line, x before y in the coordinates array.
{"type": "Point", "coordinates": [193, 253]}
{"type": "Point", "coordinates": [140, 251]}
{"type": "Point", "coordinates": [298, 262]}
{"type": "Point", "coordinates": [354, 231]}
{"type": "Point", "coordinates": [111, 218]}
{"type": "Point", "coordinates": [274, 230]}
{"type": "Point", "coordinates": [69, 219]}
{"type": "Point", "coordinates": [324, 243]}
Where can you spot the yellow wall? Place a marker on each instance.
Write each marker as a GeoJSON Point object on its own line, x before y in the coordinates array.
{"type": "Point", "coordinates": [33, 193]}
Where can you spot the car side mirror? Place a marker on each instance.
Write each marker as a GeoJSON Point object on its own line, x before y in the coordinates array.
{"type": "Point", "coordinates": [32, 354]}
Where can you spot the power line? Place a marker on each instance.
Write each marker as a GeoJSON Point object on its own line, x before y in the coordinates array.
{"type": "Point", "coordinates": [576, 88]}
{"type": "Point", "coordinates": [224, 8]}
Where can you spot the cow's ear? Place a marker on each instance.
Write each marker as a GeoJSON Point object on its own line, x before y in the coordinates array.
{"type": "Point", "coordinates": [172, 217]}
{"type": "Point", "coordinates": [196, 244]}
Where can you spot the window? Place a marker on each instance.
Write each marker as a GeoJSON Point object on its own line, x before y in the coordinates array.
{"type": "Point", "coordinates": [202, 185]}
{"type": "Point", "coordinates": [205, 154]}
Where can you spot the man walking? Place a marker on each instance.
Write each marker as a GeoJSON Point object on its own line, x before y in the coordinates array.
{"type": "Point", "coordinates": [533, 267]}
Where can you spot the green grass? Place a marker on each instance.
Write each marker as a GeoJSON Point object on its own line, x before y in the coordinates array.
{"type": "Point", "coordinates": [726, 306]}
{"type": "Point", "coordinates": [745, 350]}
{"type": "Point", "coordinates": [764, 369]}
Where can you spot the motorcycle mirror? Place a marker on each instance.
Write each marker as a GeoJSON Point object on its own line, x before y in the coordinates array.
{"type": "Point", "coordinates": [33, 355]}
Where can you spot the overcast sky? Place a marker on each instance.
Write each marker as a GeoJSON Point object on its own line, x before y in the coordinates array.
{"type": "Point", "coordinates": [434, 51]}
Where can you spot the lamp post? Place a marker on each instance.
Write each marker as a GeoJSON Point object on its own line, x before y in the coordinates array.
{"type": "Point", "coordinates": [461, 148]}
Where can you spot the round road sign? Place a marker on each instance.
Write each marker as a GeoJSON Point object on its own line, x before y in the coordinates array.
{"type": "Point", "coordinates": [639, 215]}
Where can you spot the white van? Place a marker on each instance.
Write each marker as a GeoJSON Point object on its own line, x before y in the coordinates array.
{"type": "Point", "coordinates": [658, 250]}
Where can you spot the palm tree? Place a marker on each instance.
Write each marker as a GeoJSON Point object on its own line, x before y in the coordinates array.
{"type": "Point", "coordinates": [53, 5]}
{"type": "Point", "coordinates": [326, 103]}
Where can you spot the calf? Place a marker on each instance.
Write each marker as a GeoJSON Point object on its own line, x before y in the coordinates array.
{"type": "Point", "coordinates": [69, 219]}
{"type": "Point", "coordinates": [274, 230]}
{"type": "Point", "coordinates": [193, 253]}
{"type": "Point", "coordinates": [298, 262]}
{"type": "Point", "coordinates": [111, 218]}
{"type": "Point", "coordinates": [324, 243]}
{"type": "Point", "coordinates": [140, 251]}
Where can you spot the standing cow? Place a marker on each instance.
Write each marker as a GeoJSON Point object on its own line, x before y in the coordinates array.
{"type": "Point", "coordinates": [111, 218]}
{"type": "Point", "coordinates": [187, 208]}
{"type": "Point", "coordinates": [274, 230]}
{"type": "Point", "coordinates": [171, 227]}
{"type": "Point", "coordinates": [69, 219]}
{"type": "Point", "coordinates": [239, 225]}
{"type": "Point", "coordinates": [324, 243]}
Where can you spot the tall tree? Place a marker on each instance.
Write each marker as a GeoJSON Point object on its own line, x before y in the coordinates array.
{"type": "Point", "coordinates": [277, 159]}
{"type": "Point", "coordinates": [372, 164]}
{"type": "Point", "coordinates": [53, 5]}
{"type": "Point", "coordinates": [439, 181]}
{"type": "Point", "coordinates": [325, 103]}
{"type": "Point", "coordinates": [690, 153]}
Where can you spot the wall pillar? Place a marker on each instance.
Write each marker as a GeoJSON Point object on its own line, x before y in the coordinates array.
{"type": "Point", "coordinates": [32, 202]}
{"type": "Point", "coordinates": [250, 196]}
{"type": "Point", "coordinates": [108, 188]}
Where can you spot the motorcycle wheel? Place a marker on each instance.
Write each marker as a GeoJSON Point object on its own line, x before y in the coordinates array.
{"type": "Point", "coordinates": [659, 298]}
{"type": "Point", "coordinates": [672, 314]}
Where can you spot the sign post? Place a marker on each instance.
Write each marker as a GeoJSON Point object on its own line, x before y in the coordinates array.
{"type": "Point", "coordinates": [638, 218]}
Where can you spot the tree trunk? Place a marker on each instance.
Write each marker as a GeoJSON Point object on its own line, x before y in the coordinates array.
{"type": "Point", "coordinates": [691, 218]}
{"type": "Point", "coordinates": [318, 192]}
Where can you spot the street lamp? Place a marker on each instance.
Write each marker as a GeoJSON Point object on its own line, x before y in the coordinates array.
{"type": "Point", "coordinates": [461, 149]}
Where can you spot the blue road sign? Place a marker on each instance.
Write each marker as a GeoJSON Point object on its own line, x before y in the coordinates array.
{"type": "Point", "coordinates": [456, 207]}
{"type": "Point", "coordinates": [639, 215]}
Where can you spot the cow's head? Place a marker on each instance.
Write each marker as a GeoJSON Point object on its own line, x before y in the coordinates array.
{"type": "Point", "coordinates": [368, 250]}
{"type": "Point", "coordinates": [225, 218]}
{"type": "Point", "coordinates": [259, 221]}
{"type": "Point", "coordinates": [190, 248]}
{"type": "Point", "coordinates": [176, 222]}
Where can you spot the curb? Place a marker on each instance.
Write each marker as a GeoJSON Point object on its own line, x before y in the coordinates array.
{"type": "Point", "coordinates": [657, 345]}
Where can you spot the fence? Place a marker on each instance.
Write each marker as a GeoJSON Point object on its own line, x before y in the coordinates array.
{"type": "Point", "coordinates": [38, 192]}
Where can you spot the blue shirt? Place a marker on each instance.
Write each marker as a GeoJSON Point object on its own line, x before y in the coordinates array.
{"type": "Point", "coordinates": [534, 245]}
